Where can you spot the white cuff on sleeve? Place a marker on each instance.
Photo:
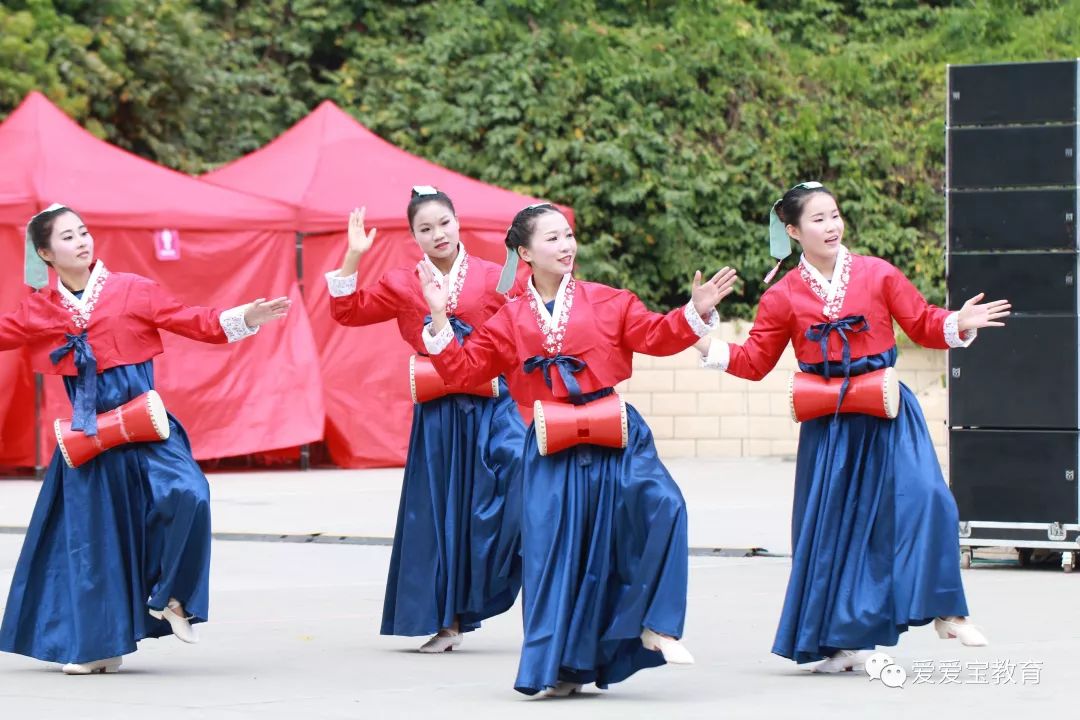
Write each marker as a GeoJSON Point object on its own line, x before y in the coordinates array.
{"type": "Point", "coordinates": [232, 322]}
{"type": "Point", "coordinates": [699, 326]}
{"type": "Point", "coordinates": [718, 357]}
{"type": "Point", "coordinates": [953, 336]}
{"type": "Point", "coordinates": [435, 344]}
{"type": "Point", "coordinates": [340, 286]}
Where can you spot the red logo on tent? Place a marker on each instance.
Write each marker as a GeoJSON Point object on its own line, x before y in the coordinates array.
{"type": "Point", "coordinates": [167, 244]}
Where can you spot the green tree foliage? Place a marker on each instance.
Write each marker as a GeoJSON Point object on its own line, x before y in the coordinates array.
{"type": "Point", "coordinates": [669, 126]}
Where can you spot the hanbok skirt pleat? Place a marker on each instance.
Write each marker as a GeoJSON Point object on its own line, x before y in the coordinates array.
{"type": "Point", "coordinates": [605, 549]}
{"type": "Point", "coordinates": [123, 533]}
{"type": "Point", "coordinates": [457, 542]}
{"type": "Point", "coordinates": [875, 547]}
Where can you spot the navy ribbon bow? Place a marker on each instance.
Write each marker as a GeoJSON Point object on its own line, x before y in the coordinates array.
{"type": "Point", "coordinates": [820, 333]}
{"type": "Point", "coordinates": [567, 365]}
{"type": "Point", "coordinates": [85, 405]}
{"type": "Point", "coordinates": [461, 328]}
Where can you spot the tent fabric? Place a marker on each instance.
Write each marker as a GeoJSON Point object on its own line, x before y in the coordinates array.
{"type": "Point", "coordinates": [16, 377]}
{"type": "Point", "coordinates": [48, 157]}
{"type": "Point", "coordinates": [260, 394]}
{"type": "Point", "coordinates": [326, 165]}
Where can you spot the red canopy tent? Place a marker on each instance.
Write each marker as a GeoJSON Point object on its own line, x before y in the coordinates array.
{"type": "Point", "coordinates": [257, 395]}
{"type": "Point", "coordinates": [326, 165]}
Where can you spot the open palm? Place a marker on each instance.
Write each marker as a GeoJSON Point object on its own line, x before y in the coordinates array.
{"type": "Point", "coordinates": [360, 239]}
{"type": "Point", "coordinates": [435, 293]}
{"type": "Point", "coordinates": [975, 314]}
{"type": "Point", "coordinates": [707, 295]}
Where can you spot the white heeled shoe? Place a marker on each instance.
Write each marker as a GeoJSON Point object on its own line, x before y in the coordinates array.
{"type": "Point", "coordinates": [843, 661]}
{"type": "Point", "coordinates": [108, 665]}
{"type": "Point", "coordinates": [674, 652]}
{"type": "Point", "coordinates": [562, 689]}
{"type": "Point", "coordinates": [964, 631]}
{"type": "Point", "coordinates": [180, 626]}
{"type": "Point", "coordinates": [441, 643]}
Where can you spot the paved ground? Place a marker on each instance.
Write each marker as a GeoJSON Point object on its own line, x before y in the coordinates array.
{"type": "Point", "coordinates": [733, 503]}
{"type": "Point", "coordinates": [293, 633]}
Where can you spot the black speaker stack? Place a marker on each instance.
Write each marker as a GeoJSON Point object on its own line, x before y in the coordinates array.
{"type": "Point", "coordinates": [1012, 189]}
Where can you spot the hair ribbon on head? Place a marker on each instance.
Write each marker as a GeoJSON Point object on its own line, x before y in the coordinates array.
{"type": "Point", "coordinates": [35, 271]}
{"type": "Point", "coordinates": [779, 240]}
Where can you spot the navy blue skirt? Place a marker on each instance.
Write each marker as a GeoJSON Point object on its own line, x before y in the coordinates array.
{"type": "Point", "coordinates": [875, 545]}
{"type": "Point", "coordinates": [123, 533]}
{"type": "Point", "coordinates": [605, 549]}
{"type": "Point", "coordinates": [458, 536]}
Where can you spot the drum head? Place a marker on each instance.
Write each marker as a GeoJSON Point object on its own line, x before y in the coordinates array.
{"type": "Point", "coordinates": [158, 416]}
{"type": "Point", "coordinates": [412, 377]}
{"type": "Point", "coordinates": [892, 393]}
{"type": "Point", "coordinates": [625, 423]}
{"type": "Point", "coordinates": [58, 429]}
{"type": "Point", "coordinates": [540, 424]}
{"type": "Point", "coordinates": [791, 397]}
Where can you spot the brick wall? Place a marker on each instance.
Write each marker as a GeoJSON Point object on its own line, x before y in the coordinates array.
{"type": "Point", "coordinates": [695, 412]}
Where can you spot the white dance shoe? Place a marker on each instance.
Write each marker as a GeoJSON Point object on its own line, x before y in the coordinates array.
{"type": "Point", "coordinates": [108, 665]}
{"type": "Point", "coordinates": [180, 626]}
{"type": "Point", "coordinates": [963, 631]}
{"type": "Point", "coordinates": [843, 661]}
{"type": "Point", "coordinates": [673, 651]}
{"type": "Point", "coordinates": [441, 643]}
{"type": "Point", "coordinates": [562, 689]}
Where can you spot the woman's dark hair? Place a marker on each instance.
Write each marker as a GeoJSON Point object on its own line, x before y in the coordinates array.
{"type": "Point", "coordinates": [791, 206]}
{"type": "Point", "coordinates": [422, 197]}
{"type": "Point", "coordinates": [521, 229]}
{"type": "Point", "coordinates": [40, 227]}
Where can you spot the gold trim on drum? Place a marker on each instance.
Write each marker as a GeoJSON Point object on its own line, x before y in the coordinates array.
{"type": "Point", "coordinates": [891, 392]}
{"type": "Point", "coordinates": [60, 443]}
{"type": "Point", "coordinates": [158, 417]}
{"type": "Point", "coordinates": [541, 426]}
{"type": "Point", "coordinates": [412, 378]}
{"type": "Point", "coordinates": [622, 418]}
{"type": "Point", "coordinates": [791, 397]}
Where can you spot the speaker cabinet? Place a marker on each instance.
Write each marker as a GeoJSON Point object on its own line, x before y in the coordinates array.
{"type": "Point", "coordinates": [1012, 94]}
{"type": "Point", "coordinates": [982, 220]}
{"type": "Point", "coordinates": [1035, 283]}
{"type": "Point", "coordinates": [1015, 476]}
{"type": "Point", "coordinates": [1023, 375]}
{"type": "Point", "coordinates": [1012, 156]}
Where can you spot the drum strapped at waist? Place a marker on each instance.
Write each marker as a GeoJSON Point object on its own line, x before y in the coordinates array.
{"type": "Point", "coordinates": [426, 384]}
{"type": "Point", "coordinates": [140, 420]}
{"type": "Point", "coordinates": [875, 393]}
{"type": "Point", "coordinates": [562, 425]}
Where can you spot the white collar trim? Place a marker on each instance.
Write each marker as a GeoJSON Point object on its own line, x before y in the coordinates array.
{"type": "Point", "coordinates": [830, 286]}
{"type": "Point", "coordinates": [454, 269]}
{"type": "Point", "coordinates": [560, 297]}
{"type": "Point", "coordinates": [99, 268]}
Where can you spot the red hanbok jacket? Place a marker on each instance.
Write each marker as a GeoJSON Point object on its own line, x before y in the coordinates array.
{"type": "Point", "coordinates": [397, 296]}
{"type": "Point", "coordinates": [599, 325]}
{"type": "Point", "coordinates": [121, 314]}
{"type": "Point", "coordinates": [861, 286]}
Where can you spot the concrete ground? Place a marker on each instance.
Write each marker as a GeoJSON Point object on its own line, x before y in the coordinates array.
{"type": "Point", "coordinates": [294, 624]}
